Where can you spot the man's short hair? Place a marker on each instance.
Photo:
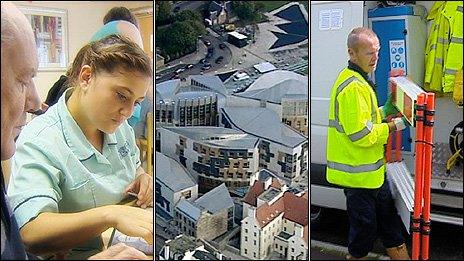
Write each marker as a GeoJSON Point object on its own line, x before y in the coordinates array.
{"type": "Point", "coordinates": [7, 33]}
{"type": "Point", "coordinates": [120, 13]}
{"type": "Point", "coordinates": [355, 36]}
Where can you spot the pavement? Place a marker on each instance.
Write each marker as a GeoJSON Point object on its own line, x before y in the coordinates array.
{"type": "Point", "coordinates": [327, 251]}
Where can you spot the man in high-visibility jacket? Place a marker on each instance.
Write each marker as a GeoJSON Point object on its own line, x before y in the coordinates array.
{"type": "Point", "coordinates": [355, 151]}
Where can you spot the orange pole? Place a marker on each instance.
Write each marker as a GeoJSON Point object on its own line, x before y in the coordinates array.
{"type": "Point", "coordinates": [428, 136]}
{"type": "Point", "coordinates": [415, 225]}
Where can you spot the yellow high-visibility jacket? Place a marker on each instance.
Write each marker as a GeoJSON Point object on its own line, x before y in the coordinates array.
{"type": "Point", "coordinates": [443, 53]}
{"type": "Point", "coordinates": [356, 136]}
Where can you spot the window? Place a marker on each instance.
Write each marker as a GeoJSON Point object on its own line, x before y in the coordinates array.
{"type": "Point", "coordinates": [280, 248]}
{"type": "Point", "coordinates": [277, 246]}
{"type": "Point", "coordinates": [285, 229]}
{"type": "Point", "coordinates": [254, 254]}
{"type": "Point", "coordinates": [254, 242]}
{"type": "Point", "coordinates": [254, 233]}
{"type": "Point", "coordinates": [246, 230]}
{"type": "Point", "coordinates": [293, 249]}
{"type": "Point", "coordinates": [246, 239]}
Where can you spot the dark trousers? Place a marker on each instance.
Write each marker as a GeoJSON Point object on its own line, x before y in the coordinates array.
{"type": "Point", "coordinates": [372, 212]}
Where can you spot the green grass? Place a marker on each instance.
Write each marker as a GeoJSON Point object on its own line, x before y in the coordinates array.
{"type": "Point", "coordinates": [272, 5]}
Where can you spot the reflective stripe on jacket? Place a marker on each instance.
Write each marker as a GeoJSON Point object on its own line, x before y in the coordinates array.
{"type": "Point", "coordinates": [355, 139]}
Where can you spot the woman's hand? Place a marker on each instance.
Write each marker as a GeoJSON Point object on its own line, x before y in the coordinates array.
{"type": "Point", "coordinates": [143, 187]}
{"type": "Point", "coordinates": [120, 252]}
{"type": "Point", "coordinates": [131, 221]}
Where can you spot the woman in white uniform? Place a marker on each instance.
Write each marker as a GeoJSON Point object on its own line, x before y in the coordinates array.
{"type": "Point", "coordinates": [78, 160]}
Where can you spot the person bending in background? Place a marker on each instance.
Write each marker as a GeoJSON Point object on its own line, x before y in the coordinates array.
{"type": "Point", "coordinates": [18, 96]}
{"type": "Point", "coordinates": [78, 160]}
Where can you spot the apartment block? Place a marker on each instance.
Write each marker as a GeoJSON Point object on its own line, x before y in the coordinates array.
{"type": "Point", "coordinates": [275, 220]}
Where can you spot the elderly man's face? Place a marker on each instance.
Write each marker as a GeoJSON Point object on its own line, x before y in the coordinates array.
{"type": "Point", "coordinates": [18, 92]}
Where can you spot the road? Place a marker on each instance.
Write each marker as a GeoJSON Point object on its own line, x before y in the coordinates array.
{"type": "Point", "coordinates": [169, 73]}
{"type": "Point", "coordinates": [188, 5]}
{"type": "Point", "coordinates": [446, 241]}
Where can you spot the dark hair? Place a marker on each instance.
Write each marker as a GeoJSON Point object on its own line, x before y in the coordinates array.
{"type": "Point", "coordinates": [120, 13]}
{"type": "Point", "coordinates": [109, 54]}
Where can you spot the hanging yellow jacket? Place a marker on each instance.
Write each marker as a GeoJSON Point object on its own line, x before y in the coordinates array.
{"type": "Point", "coordinates": [453, 62]}
{"type": "Point", "coordinates": [443, 53]}
{"type": "Point", "coordinates": [356, 136]}
{"type": "Point", "coordinates": [435, 48]}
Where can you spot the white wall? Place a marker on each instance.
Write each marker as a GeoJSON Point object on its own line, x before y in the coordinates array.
{"type": "Point", "coordinates": [84, 19]}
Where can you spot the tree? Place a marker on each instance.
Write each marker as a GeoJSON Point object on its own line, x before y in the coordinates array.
{"type": "Point", "coordinates": [247, 10]}
{"type": "Point", "coordinates": [163, 12]}
{"type": "Point", "coordinates": [186, 15]}
{"type": "Point", "coordinates": [193, 18]}
{"type": "Point", "coordinates": [178, 38]}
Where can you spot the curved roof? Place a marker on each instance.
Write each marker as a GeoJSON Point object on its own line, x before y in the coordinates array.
{"type": "Point", "coordinates": [278, 84]}
{"type": "Point", "coordinates": [212, 82]}
{"type": "Point", "coordinates": [165, 90]}
{"type": "Point", "coordinates": [263, 123]}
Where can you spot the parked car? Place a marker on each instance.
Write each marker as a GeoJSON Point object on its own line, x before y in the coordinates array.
{"type": "Point", "coordinates": [219, 59]}
{"type": "Point", "coordinates": [206, 66]}
{"type": "Point", "coordinates": [203, 60]}
{"type": "Point", "coordinates": [207, 43]}
{"type": "Point", "coordinates": [190, 66]}
{"type": "Point", "coordinates": [180, 70]}
{"type": "Point", "coordinates": [222, 45]}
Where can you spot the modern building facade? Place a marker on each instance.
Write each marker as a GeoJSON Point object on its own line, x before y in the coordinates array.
{"type": "Point", "coordinates": [194, 104]}
{"type": "Point", "coordinates": [282, 149]}
{"type": "Point", "coordinates": [214, 155]}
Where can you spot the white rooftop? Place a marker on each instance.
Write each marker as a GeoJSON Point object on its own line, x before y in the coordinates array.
{"type": "Point", "coordinates": [263, 123]}
{"type": "Point", "coordinates": [188, 209]}
{"type": "Point", "coordinates": [216, 199]}
{"type": "Point", "coordinates": [277, 84]}
{"type": "Point", "coordinates": [212, 82]}
{"type": "Point", "coordinates": [217, 136]}
{"type": "Point", "coordinates": [264, 67]}
{"type": "Point", "coordinates": [173, 175]}
{"type": "Point", "coordinates": [238, 35]}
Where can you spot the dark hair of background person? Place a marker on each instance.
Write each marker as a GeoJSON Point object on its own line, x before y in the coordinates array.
{"type": "Point", "coordinates": [120, 13]}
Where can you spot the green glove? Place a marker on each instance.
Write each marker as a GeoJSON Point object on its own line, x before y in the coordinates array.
{"type": "Point", "coordinates": [388, 109]}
